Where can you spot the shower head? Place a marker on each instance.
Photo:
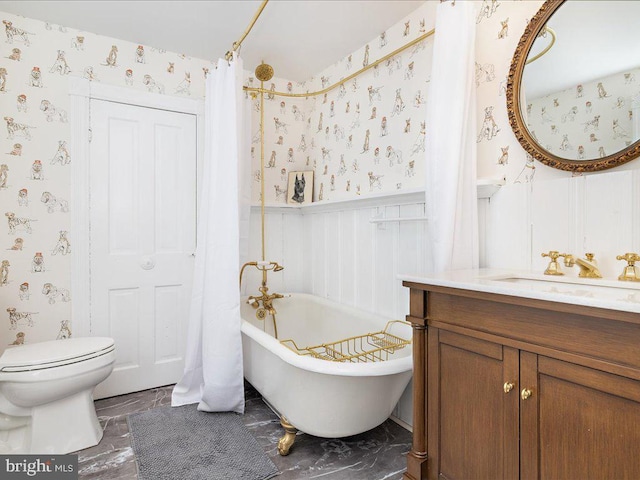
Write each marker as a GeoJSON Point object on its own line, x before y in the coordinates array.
{"type": "Point", "coordinates": [264, 72]}
{"type": "Point", "coordinates": [278, 268]}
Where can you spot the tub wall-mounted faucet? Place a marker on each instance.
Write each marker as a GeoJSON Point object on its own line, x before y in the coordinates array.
{"type": "Point", "coordinates": [263, 303]}
{"type": "Point", "coordinates": [265, 299]}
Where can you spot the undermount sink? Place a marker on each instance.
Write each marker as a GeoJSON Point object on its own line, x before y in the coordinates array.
{"type": "Point", "coordinates": [540, 280]}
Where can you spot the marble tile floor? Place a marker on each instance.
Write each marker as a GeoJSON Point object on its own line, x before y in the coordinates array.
{"type": "Point", "coordinates": [375, 455]}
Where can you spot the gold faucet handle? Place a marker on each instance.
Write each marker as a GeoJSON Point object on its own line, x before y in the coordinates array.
{"type": "Point", "coordinates": [553, 255]}
{"type": "Point", "coordinates": [554, 268]}
{"type": "Point", "coordinates": [630, 272]}
{"type": "Point", "coordinates": [630, 258]}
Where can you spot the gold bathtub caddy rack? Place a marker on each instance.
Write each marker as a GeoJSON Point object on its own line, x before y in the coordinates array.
{"type": "Point", "coordinates": [371, 347]}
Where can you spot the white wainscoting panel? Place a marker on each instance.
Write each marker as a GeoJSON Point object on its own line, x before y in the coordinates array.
{"type": "Point", "coordinates": [607, 216]}
{"type": "Point", "coordinates": [508, 237]}
{"type": "Point", "coordinates": [365, 241]}
{"type": "Point", "coordinates": [348, 270]}
{"type": "Point", "coordinates": [285, 243]}
{"type": "Point", "coordinates": [598, 213]}
{"type": "Point", "coordinates": [318, 257]}
{"type": "Point", "coordinates": [552, 215]}
{"type": "Point", "coordinates": [293, 253]}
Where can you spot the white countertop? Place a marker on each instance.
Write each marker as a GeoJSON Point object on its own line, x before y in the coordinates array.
{"type": "Point", "coordinates": [601, 293]}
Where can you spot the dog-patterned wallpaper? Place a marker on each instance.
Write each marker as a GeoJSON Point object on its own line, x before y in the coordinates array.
{"type": "Point", "coordinates": [36, 60]}
{"type": "Point", "coordinates": [589, 120]}
{"type": "Point", "coordinates": [389, 102]}
{"type": "Point", "coordinates": [500, 25]}
{"type": "Point", "coordinates": [286, 145]}
{"type": "Point", "coordinates": [368, 135]}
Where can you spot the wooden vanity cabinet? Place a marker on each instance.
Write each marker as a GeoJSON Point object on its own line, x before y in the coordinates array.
{"type": "Point", "coordinates": [521, 388]}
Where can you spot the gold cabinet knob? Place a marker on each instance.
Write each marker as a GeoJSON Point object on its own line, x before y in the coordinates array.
{"type": "Point", "coordinates": [525, 393]}
{"type": "Point", "coordinates": [508, 386]}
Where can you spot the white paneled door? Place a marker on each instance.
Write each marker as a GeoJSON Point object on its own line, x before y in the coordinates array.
{"type": "Point", "coordinates": [142, 237]}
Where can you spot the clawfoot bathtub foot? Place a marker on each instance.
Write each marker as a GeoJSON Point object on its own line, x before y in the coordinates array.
{"type": "Point", "coordinates": [286, 441]}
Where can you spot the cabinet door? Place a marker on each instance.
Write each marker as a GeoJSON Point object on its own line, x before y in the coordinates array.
{"type": "Point", "coordinates": [587, 423]}
{"type": "Point", "coordinates": [472, 417]}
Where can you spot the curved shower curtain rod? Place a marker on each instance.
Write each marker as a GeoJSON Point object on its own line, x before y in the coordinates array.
{"type": "Point", "coordinates": [237, 44]}
{"type": "Point", "coordinates": [543, 32]}
{"type": "Point", "coordinates": [346, 79]}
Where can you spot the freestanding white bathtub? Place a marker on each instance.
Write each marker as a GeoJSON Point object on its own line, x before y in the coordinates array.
{"type": "Point", "coordinates": [319, 397]}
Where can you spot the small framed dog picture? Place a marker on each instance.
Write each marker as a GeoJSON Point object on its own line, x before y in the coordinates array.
{"type": "Point", "coordinates": [300, 191]}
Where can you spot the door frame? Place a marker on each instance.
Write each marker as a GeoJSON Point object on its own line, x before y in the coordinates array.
{"type": "Point", "coordinates": [81, 92]}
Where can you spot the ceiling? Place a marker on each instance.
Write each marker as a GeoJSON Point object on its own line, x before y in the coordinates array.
{"type": "Point", "coordinates": [299, 38]}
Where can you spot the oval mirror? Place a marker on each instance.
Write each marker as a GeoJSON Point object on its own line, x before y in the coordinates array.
{"type": "Point", "coordinates": [573, 91]}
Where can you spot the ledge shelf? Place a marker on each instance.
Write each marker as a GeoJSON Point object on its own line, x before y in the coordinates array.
{"type": "Point", "coordinates": [485, 187]}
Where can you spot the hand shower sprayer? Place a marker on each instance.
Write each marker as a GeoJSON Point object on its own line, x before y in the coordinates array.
{"type": "Point", "coordinates": [264, 267]}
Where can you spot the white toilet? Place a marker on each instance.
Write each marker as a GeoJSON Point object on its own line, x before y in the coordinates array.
{"type": "Point", "coordinates": [46, 395]}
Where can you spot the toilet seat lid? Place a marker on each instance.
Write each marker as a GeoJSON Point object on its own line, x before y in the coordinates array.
{"type": "Point", "coordinates": [54, 353]}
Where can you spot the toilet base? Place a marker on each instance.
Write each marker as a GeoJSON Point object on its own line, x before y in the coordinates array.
{"type": "Point", "coordinates": [64, 426]}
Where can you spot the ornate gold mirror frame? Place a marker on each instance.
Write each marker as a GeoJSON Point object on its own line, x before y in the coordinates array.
{"type": "Point", "coordinates": [518, 123]}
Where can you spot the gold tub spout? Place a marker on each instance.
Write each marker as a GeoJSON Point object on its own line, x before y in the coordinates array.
{"type": "Point", "coordinates": [264, 305]}
{"type": "Point", "coordinates": [286, 441]}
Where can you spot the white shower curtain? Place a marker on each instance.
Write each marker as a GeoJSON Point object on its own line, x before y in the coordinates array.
{"type": "Point", "coordinates": [213, 375]}
{"type": "Point", "coordinates": [451, 198]}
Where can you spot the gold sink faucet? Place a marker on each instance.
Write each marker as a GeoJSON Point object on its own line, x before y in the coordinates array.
{"type": "Point", "coordinates": [588, 266]}
{"type": "Point", "coordinates": [631, 273]}
{"type": "Point", "coordinates": [554, 267]}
